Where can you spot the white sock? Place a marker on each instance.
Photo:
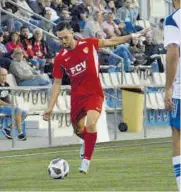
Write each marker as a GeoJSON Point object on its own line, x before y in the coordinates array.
{"type": "Point", "coordinates": [176, 166]}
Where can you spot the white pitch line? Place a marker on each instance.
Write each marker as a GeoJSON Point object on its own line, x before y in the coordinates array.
{"type": "Point", "coordinates": [74, 150]}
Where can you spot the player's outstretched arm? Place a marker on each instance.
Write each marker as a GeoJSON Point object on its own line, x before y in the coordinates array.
{"type": "Point", "coordinates": [123, 39]}
{"type": "Point", "coordinates": [56, 88]}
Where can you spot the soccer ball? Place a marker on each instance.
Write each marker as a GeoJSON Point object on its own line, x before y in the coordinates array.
{"type": "Point", "coordinates": [58, 168]}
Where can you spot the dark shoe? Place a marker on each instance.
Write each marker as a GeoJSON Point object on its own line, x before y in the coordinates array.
{"type": "Point", "coordinates": [7, 133]}
{"type": "Point", "coordinates": [21, 137]}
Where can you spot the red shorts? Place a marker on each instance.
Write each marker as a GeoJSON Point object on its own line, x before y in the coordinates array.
{"type": "Point", "coordinates": [80, 106]}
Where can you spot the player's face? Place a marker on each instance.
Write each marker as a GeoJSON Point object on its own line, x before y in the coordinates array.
{"type": "Point", "coordinates": [66, 38]}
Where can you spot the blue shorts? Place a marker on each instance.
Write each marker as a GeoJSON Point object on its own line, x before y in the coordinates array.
{"type": "Point", "coordinates": [7, 110]}
{"type": "Point", "coordinates": [175, 115]}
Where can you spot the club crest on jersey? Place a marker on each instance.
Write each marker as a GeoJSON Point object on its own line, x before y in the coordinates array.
{"type": "Point", "coordinates": [79, 68]}
{"type": "Point", "coordinates": [86, 50]}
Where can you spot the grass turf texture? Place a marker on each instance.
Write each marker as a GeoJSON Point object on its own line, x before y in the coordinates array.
{"type": "Point", "coordinates": [115, 167]}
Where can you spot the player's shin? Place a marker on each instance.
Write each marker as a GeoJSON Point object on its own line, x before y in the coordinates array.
{"type": "Point", "coordinates": [176, 165]}
{"type": "Point", "coordinates": [89, 142]}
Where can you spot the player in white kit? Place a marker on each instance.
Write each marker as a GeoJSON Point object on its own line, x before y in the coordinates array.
{"type": "Point", "coordinates": [173, 81]}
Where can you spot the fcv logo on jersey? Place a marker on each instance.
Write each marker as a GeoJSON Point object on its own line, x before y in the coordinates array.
{"type": "Point", "coordinates": [79, 68]}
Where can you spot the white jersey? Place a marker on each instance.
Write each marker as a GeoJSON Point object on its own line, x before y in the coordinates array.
{"type": "Point", "coordinates": [172, 35]}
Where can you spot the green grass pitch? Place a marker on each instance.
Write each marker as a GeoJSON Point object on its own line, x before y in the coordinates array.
{"type": "Point", "coordinates": [115, 167]}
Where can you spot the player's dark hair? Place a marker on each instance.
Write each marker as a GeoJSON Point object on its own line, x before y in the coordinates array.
{"type": "Point", "coordinates": [61, 26]}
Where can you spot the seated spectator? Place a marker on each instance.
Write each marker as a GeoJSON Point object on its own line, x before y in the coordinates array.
{"type": "Point", "coordinates": [128, 14]}
{"type": "Point", "coordinates": [23, 13]}
{"type": "Point", "coordinates": [93, 25]}
{"type": "Point", "coordinates": [12, 23]}
{"type": "Point", "coordinates": [6, 107]}
{"type": "Point", "coordinates": [27, 45]}
{"type": "Point", "coordinates": [34, 5]}
{"type": "Point", "coordinates": [110, 27]}
{"type": "Point", "coordinates": [137, 49]}
{"type": "Point", "coordinates": [119, 3]}
{"type": "Point", "coordinates": [152, 49]}
{"type": "Point", "coordinates": [40, 48]}
{"type": "Point", "coordinates": [79, 15]}
{"type": "Point", "coordinates": [158, 36]}
{"type": "Point", "coordinates": [25, 75]}
{"type": "Point", "coordinates": [4, 60]}
{"type": "Point", "coordinates": [123, 52]}
{"type": "Point", "coordinates": [111, 7]}
{"type": "Point", "coordinates": [14, 42]}
{"type": "Point", "coordinates": [58, 6]}
{"type": "Point", "coordinates": [47, 26]}
{"type": "Point", "coordinates": [65, 15]}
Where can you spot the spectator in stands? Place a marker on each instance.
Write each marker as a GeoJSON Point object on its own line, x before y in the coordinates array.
{"type": "Point", "coordinates": [23, 13]}
{"type": "Point", "coordinates": [110, 7]}
{"type": "Point", "coordinates": [123, 52]}
{"type": "Point", "coordinates": [128, 14]}
{"type": "Point", "coordinates": [79, 15]}
{"type": "Point", "coordinates": [27, 45]}
{"type": "Point", "coordinates": [24, 73]}
{"type": "Point", "coordinates": [119, 3]}
{"type": "Point", "coordinates": [94, 25]}
{"type": "Point", "coordinates": [14, 42]}
{"type": "Point", "coordinates": [137, 49]}
{"type": "Point", "coordinates": [110, 27]}
{"type": "Point", "coordinates": [6, 106]}
{"type": "Point", "coordinates": [65, 15]}
{"type": "Point", "coordinates": [152, 50]}
{"type": "Point", "coordinates": [47, 26]}
{"type": "Point", "coordinates": [12, 23]}
{"type": "Point", "coordinates": [58, 6]}
{"type": "Point", "coordinates": [158, 36]}
{"type": "Point", "coordinates": [40, 47]}
{"type": "Point", "coordinates": [4, 60]}
{"type": "Point", "coordinates": [34, 5]}
{"type": "Point", "coordinates": [54, 16]}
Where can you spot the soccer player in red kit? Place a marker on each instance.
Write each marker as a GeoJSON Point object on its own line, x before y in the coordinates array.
{"type": "Point", "coordinates": [79, 59]}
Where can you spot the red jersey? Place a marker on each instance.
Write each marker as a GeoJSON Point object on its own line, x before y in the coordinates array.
{"type": "Point", "coordinates": [82, 66]}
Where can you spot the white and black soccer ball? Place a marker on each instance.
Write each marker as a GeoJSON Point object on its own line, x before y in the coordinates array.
{"type": "Point", "coordinates": [58, 168]}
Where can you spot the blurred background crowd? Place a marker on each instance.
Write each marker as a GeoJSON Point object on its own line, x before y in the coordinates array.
{"type": "Point", "coordinates": [28, 46]}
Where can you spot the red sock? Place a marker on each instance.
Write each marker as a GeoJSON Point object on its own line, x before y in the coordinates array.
{"type": "Point", "coordinates": [84, 132]}
{"type": "Point", "coordinates": [89, 141]}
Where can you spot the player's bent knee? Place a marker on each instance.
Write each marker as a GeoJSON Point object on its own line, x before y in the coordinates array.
{"type": "Point", "coordinates": [91, 127]}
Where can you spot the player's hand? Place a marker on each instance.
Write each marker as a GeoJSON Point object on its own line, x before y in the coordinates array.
{"type": "Point", "coordinates": [47, 114]}
{"type": "Point", "coordinates": [168, 99]}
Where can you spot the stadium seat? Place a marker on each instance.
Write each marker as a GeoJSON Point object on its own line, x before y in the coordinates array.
{"type": "Point", "coordinates": [120, 76]}
{"type": "Point", "coordinates": [61, 104]}
{"type": "Point", "coordinates": [157, 79]}
{"type": "Point", "coordinates": [153, 101]}
{"type": "Point", "coordinates": [160, 101]}
{"type": "Point", "coordinates": [114, 79]}
{"type": "Point", "coordinates": [101, 79]}
{"type": "Point", "coordinates": [163, 78]}
{"type": "Point", "coordinates": [128, 79]}
{"type": "Point", "coordinates": [136, 79]}
{"type": "Point", "coordinates": [107, 80]}
{"type": "Point", "coordinates": [148, 102]}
